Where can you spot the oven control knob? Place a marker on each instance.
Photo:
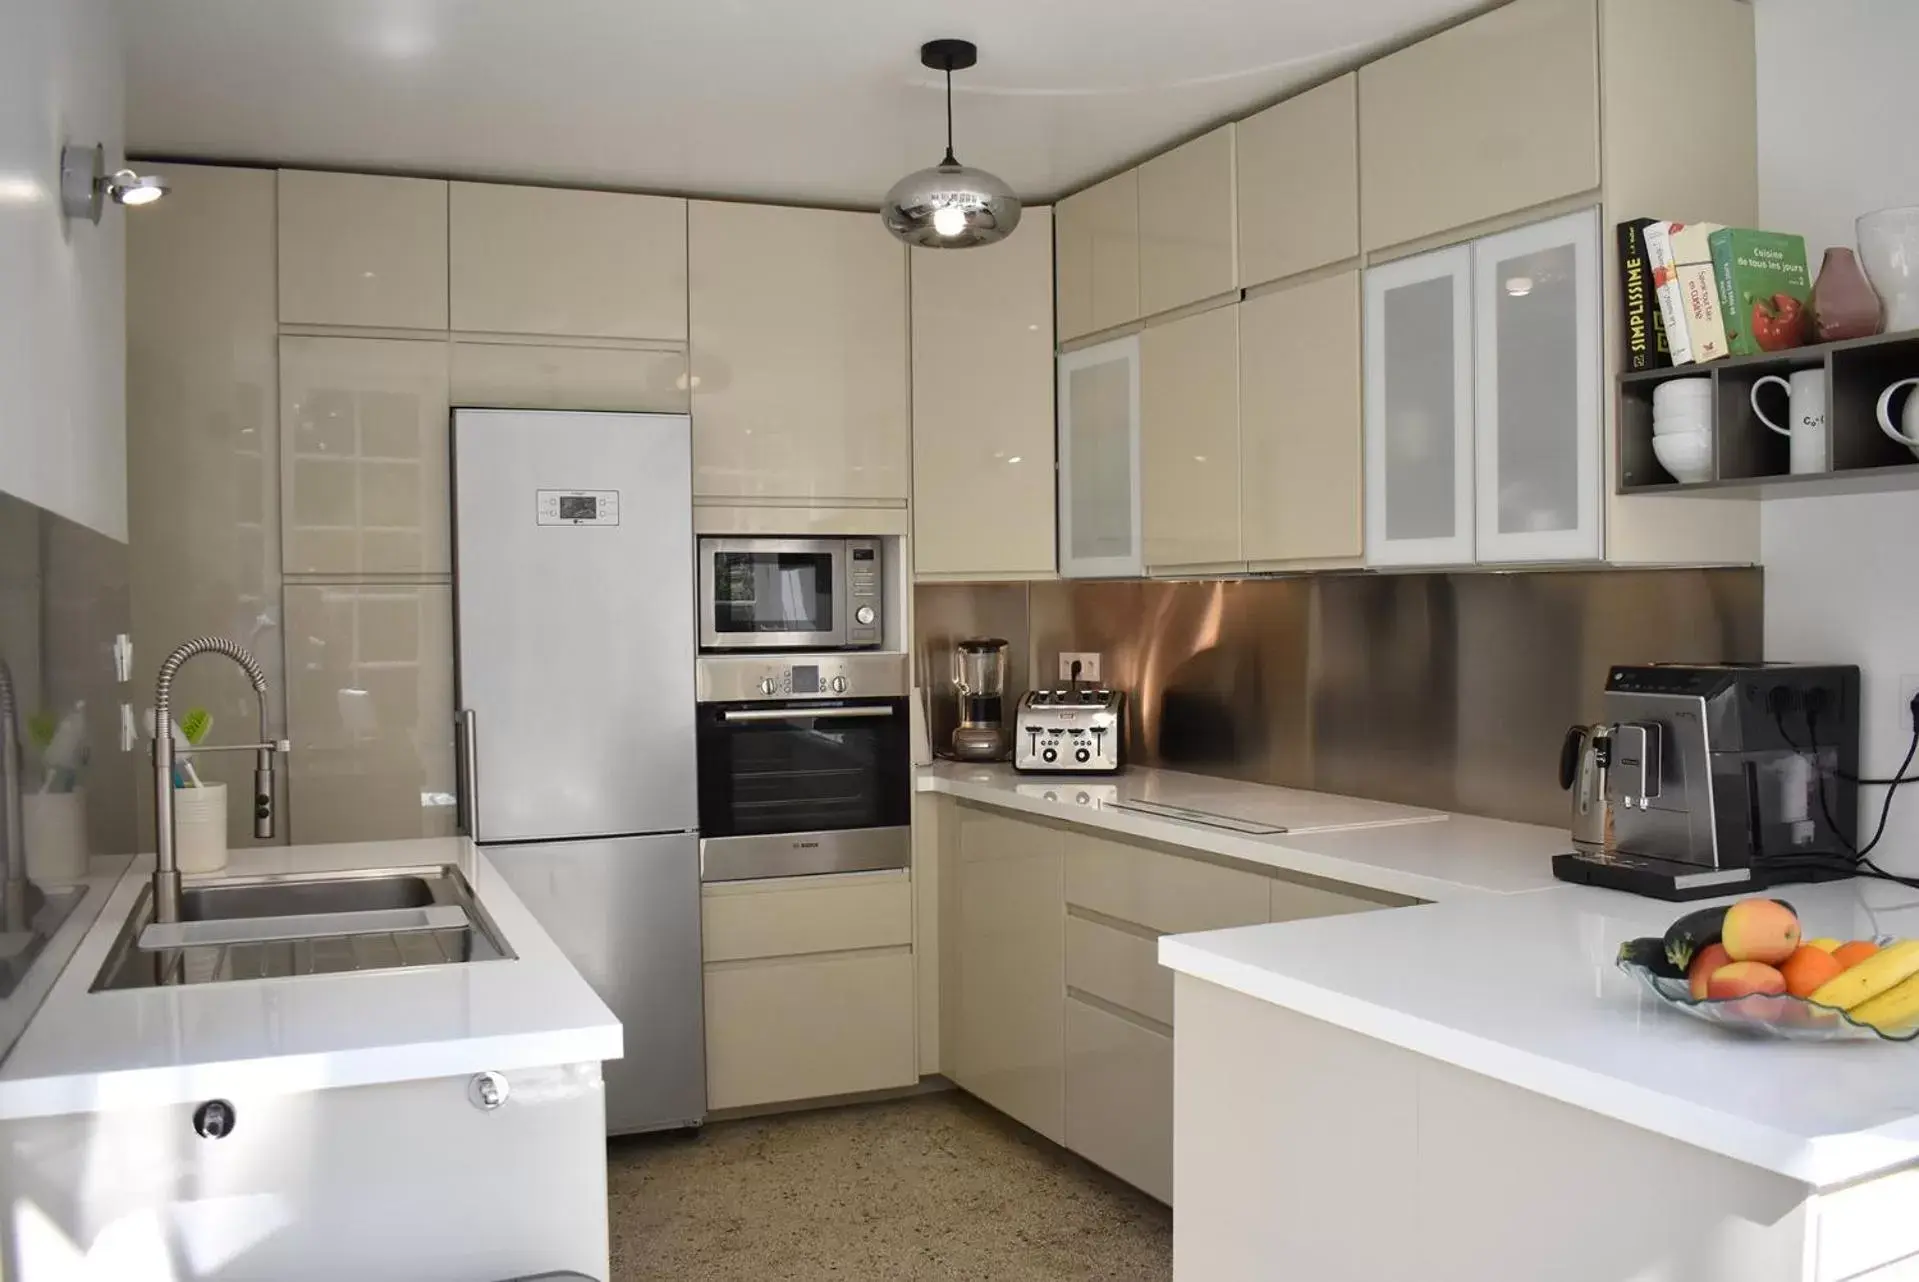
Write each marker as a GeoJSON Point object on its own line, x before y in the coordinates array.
{"type": "Point", "coordinates": [1082, 756]}
{"type": "Point", "coordinates": [839, 685]}
{"type": "Point", "coordinates": [1049, 756]}
{"type": "Point", "coordinates": [864, 616]}
{"type": "Point", "coordinates": [769, 686]}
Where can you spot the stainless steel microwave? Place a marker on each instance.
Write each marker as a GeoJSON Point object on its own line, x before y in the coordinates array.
{"type": "Point", "coordinates": [791, 594]}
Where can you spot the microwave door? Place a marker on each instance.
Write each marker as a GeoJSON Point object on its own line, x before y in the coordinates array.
{"type": "Point", "coordinates": [764, 594]}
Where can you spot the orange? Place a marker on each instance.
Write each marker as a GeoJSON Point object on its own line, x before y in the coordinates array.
{"type": "Point", "coordinates": [1808, 968]}
{"type": "Point", "coordinates": [1850, 955]}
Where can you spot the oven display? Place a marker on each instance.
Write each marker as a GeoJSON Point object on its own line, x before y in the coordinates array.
{"type": "Point", "coordinates": [806, 680]}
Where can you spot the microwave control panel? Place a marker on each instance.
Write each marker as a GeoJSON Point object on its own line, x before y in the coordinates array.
{"type": "Point", "coordinates": [864, 567]}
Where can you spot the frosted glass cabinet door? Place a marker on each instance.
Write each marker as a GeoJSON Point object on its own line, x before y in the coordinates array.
{"type": "Point", "coordinates": [1536, 342]}
{"type": "Point", "coordinates": [1419, 410]}
{"type": "Point", "coordinates": [1099, 525]}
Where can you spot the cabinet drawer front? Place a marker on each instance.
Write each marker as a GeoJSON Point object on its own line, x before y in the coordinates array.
{"type": "Point", "coordinates": [525, 376]}
{"type": "Point", "coordinates": [803, 1029]}
{"type": "Point", "coordinates": [1165, 892]}
{"type": "Point", "coordinates": [1119, 967]}
{"type": "Point", "coordinates": [1119, 1097]}
{"type": "Point", "coordinates": [805, 915]}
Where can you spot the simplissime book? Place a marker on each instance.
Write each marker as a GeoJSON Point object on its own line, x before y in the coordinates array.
{"type": "Point", "coordinates": [1646, 344]}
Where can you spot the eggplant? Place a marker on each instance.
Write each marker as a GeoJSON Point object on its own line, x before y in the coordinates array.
{"type": "Point", "coordinates": [1686, 938]}
{"type": "Point", "coordinates": [1650, 951]}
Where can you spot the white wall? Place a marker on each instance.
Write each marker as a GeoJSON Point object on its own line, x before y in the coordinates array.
{"type": "Point", "coordinates": [1839, 136]}
{"type": "Point", "coordinates": [62, 284]}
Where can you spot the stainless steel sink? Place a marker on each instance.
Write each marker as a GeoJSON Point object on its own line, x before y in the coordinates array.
{"type": "Point", "coordinates": [310, 924]}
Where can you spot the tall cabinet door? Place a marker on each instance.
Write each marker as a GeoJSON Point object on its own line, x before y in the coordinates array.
{"type": "Point", "coordinates": [1099, 509]}
{"type": "Point", "coordinates": [1419, 410]}
{"type": "Point", "coordinates": [1536, 356]}
{"type": "Point", "coordinates": [1189, 441]}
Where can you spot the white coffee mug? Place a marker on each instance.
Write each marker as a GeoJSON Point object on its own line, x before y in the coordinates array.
{"type": "Point", "coordinates": [1909, 417]}
{"type": "Point", "coordinates": [1806, 394]}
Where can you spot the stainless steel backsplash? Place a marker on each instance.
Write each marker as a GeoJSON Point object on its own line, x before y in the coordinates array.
{"type": "Point", "coordinates": [1444, 690]}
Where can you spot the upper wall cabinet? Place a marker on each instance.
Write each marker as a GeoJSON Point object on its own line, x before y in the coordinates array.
{"type": "Point", "coordinates": [507, 375]}
{"type": "Point", "coordinates": [1299, 422]}
{"type": "Point", "coordinates": [1287, 225]}
{"type": "Point", "coordinates": [1098, 267]}
{"type": "Point", "coordinates": [1186, 212]}
{"type": "Point", "coordinates": [983, 406]}
{"type": "Point", "coordinates": [1189, 441]}
{"type": "Point", "coordinates": [363, 455]}
{"type": "Point", "coordinates": [362, 250]}
{"type": "Point", "coordinates": [1493, 116]}
{"type": "Point", "coordinates": [799, 355]}
{"type": "Point", "coordinates": [540, 260]}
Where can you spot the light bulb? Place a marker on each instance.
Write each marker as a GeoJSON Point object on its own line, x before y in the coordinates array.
{"type": "Point", "coordinates": [949, 220]}
{"type": "Point", "coordinates": [141, 196]}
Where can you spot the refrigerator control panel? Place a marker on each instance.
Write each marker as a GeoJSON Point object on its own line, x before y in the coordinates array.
{"type": "Point", "coordinates": [578, 507]}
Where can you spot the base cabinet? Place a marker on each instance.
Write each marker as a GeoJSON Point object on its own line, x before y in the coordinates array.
{"type": "Point", "coordinates": [808, 1027]}
{"type": "Point", "coordinates": [1119, 1096]}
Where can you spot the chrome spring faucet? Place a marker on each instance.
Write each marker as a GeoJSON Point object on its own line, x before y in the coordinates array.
{"type": "Point", "coordinates": [166, 869]}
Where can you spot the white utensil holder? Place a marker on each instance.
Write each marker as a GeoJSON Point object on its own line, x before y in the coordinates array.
{"type": "Point", "coordinates": [200, 828]}
{"type": "Point", "coordinates": [54, 825]}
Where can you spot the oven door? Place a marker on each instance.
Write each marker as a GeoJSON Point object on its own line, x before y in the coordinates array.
{"type": "Point", "coordinates": [795, 787]}
{"type": "Point", "coordinates": [772, 594]}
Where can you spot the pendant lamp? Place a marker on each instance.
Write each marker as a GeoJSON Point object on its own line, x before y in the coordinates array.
{"type": "Point", "coordinates": [950, 206]}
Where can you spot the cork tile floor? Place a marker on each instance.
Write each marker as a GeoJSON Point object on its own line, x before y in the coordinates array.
{"type": "Point", "coordinates": [932, 1187]}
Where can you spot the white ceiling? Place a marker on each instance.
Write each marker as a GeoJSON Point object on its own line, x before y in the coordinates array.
{"type": "Point", "coordinates": [805, 100]}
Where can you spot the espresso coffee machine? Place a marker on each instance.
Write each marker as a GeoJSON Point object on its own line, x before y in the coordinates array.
{"type": "Point", "coordinates": [979, 677]}
{"type": "Point", "coordinates": [1726, 778]}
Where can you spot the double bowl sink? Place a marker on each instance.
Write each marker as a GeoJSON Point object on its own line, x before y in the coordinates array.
{"type": "Point", "coordinates": [303, 924]}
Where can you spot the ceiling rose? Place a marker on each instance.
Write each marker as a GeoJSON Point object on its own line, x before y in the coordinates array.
{"type": "Point", "coordinates": [950, 206]}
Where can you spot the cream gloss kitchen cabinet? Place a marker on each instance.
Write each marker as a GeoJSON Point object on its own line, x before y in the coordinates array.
{"type": "Point", "coordinates": [545, 260]}
{"type": "Point", "coordinates": [1187, 246]}
{"type": "Point", "coordinates": [1097, 232]}
{"type": "Point", "coordinates": [1300, 427]}
{"type": "Point", "coordinates": [1483, 440]}
{"type": "Point", "coordinates": [1002, 1034]}
{"type": "Point", "coordinates": [810, 988]}
{"type": "Point", "coordinates": [799, 356]}
{"type": "Point", "coordinates": [362, 250]}
{"type": "Point", "coordinates": [574, 376]}
{"type": "Point", "coordinates": [363, 455]}
{"type": "Point", "coordinates": [1189, 442]}
{"type": "Point", "coordinates": [1492, 116]}
{"type": "Point", "coordinates": [983, 483]}
{"type": "Point", "coordinates": [1287, 226]}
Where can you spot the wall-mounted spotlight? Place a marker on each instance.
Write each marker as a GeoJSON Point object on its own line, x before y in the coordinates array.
{"type": "Point", "coordinates": [85, 185]}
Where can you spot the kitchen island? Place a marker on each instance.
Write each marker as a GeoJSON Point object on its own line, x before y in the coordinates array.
{"type": "Point", "coordinates": [1471, 1090]}
{"type": "Point", "coordinates": [430, 1122]}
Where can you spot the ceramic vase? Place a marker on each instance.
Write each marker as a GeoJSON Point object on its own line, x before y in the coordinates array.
{"type": "Point", "coordinates": [1889, 246]}
{"type": "Point", "coordinates": [1843, 302]}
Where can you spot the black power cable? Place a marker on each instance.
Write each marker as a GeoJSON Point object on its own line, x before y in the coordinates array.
{"type": "Point", "coordinates": [1857, 860]}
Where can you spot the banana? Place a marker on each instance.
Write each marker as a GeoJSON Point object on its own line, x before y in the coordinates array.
{"type": "Point", "coordinates": [1896, 1008]}
{"type": "Point", "coordinates": [1824, 945]}
{"type": "Point", "coordinates": [1880, 972]}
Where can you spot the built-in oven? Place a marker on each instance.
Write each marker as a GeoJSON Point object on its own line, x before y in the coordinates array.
{"type": "Point", "coordinates": [791, 594]}
{"type": "Point", "coordinates": [804, 765]}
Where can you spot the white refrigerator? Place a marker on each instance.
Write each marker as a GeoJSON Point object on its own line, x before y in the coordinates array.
{"type": "Point", "coordinates": [573, 586]}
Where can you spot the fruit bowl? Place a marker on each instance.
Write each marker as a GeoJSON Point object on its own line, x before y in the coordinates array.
{"type": "Point", "coordinates": [1773, 1015]}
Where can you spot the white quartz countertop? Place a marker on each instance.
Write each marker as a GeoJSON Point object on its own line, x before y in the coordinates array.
{"type": "Point", "coordinates": [89, 1052]}
{"type": "Point", "coordinates": [1523, 989]}
{"type": "Point", "coordinates": [1422, 854]}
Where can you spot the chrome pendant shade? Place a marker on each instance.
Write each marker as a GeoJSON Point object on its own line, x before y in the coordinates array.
{"type": "Point", "coordinates": [950, 206]}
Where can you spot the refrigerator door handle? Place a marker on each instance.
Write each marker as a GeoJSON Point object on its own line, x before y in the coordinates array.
{"type": "Point", "coordinates": [467, 767]}
{"type": "Point", "coordinates": [800, 714]}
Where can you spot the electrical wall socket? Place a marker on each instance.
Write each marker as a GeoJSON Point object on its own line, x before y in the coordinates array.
{"type": "Point", "coordinates": [1088, 665]}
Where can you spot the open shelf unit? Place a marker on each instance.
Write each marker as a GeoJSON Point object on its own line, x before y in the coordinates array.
{"type": "Point", "coordinates": [1749, 459]}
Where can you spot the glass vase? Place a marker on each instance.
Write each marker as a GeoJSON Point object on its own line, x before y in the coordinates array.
{"type": "Point", "coordinates": [1889, 246]}
{"type": "Point", "coordinates": [1843, 302]}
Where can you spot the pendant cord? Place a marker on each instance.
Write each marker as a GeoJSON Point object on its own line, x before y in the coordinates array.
{"type": "Point", "coordinates": [949, 114]}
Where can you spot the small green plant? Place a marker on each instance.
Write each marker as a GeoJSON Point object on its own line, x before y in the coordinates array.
{"type": "Point", "coordinates": [195, 725]}
{"type": "Point", "coordinates": [41, 727]}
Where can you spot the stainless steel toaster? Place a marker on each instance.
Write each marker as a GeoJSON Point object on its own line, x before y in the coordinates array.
{"type": "Point", "coordinates": [1070, 731]}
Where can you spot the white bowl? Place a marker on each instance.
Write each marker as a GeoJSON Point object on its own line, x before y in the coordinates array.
{"type": "Point", "coordinates": [1677, 423]}
{"type": "Point", "coordinates": [1682, 391]}
{"type": "Point", "coordinates": [1687, 456]}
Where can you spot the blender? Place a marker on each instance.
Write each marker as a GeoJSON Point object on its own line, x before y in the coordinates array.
{"type": "Point", "coordinates": [979, 675]}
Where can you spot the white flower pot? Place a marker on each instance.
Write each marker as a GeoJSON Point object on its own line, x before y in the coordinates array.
{"type": "Point", "coordinates": [54, 825]}
{"type": "Point", "coordinates": [200, 828]}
